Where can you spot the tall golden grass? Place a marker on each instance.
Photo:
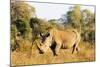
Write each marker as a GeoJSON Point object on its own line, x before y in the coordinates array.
{"type": "Point", "coordinates": [86, 53]}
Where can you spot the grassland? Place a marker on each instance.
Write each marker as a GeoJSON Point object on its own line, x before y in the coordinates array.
{"type": "Point", "coordinates": [87, 53]}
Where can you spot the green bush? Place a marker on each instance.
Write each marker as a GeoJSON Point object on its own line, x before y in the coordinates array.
{"type": "Point", "coordinates": [23, 27]}
{"type": "Point", "coordinates": [13, 32]}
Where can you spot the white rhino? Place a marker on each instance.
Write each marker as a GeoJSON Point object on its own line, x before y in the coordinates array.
{"type": "Point", "coordinates": [59, 39]}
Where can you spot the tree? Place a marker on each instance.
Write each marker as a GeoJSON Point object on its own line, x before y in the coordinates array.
{"type": "Point", "coordinates": [23, 27]}
{"type": "Point", "coordinates": [53, 22]}
{"type": "Point", "coordinates": [38, 26]}
{"type": "Point", "coordinates": [13, 32]}
{"type": "Point", "coordinates": [87, 16]}
{"type": "Point", "coordinates": [74, 17]}
{"type": "Point", "coordinates": [88, 25]}
{"type": "Point", "coordinates": [22, 11]}
{"type": "Point", "coordinates": [56, 23]}
{"type": "Point", "coordinates": [82, 20]}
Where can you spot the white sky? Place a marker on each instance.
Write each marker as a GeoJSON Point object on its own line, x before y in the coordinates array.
{"type": "Point", "coordinates": [54, 11]}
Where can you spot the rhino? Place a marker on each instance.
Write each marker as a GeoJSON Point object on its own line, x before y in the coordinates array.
{"type": "Point", "coordinates": [57, 39]}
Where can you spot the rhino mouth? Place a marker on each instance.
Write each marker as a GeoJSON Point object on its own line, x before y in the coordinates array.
{"type": "Point", "coordinates": [41, 52]}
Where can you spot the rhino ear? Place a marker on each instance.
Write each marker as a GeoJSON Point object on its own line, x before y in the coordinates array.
{"type": "Point", "coordinates": [47, 35]}
{"type": "Point", "coordinates": [41, 35]}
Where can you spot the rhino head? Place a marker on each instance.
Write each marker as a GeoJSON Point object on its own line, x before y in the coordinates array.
{"type": "Point", "coordinates": [45, 42]}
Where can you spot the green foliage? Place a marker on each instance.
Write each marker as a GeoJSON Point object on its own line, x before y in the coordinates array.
{"type": "Point", "coordinates": [88, 26]}
{"type": "Point", "coordinates": [13, 32]}
{"type": "Point", "coordinates": [21, 10]}
{"type": "Point", "coordinates": [24, 20]}
{"type": "Point", "coordinates": [82, 20]}
{"type": "Point", "coordinates": [53, 22]}
{"type": "Point", "coordinates": [39, 26]}
{"type": "Point", "coordinates": [73, 17]}
{"type": "Point", "coordinates": [23, 27]}
{"type": "Point", "coordinates": [20, 15]}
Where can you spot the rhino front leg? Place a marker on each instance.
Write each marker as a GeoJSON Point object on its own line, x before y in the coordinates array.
{"type": "Point", "coordinates": [58, 46]}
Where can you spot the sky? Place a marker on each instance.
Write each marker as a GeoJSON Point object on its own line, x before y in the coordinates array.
{"type": "Point", "coordinates": [54, 11]}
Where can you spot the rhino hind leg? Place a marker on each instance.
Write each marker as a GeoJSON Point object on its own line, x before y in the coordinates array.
{"type": "Point", "coordinates": [74, 47]}
{"type": "Point", "coordinates": [77, 49]}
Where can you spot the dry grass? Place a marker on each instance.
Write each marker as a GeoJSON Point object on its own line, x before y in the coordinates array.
{"type": "Point", "coordinates": [87, 53]}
